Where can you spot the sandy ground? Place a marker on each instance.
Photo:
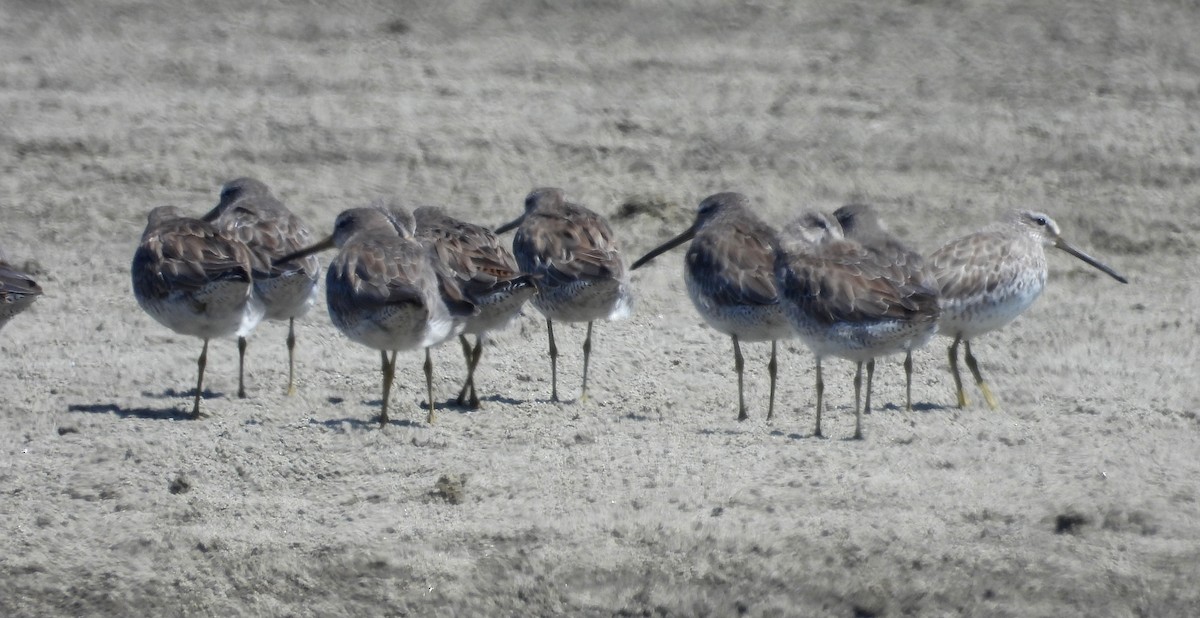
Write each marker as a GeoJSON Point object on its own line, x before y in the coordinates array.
{"type": "Point", "coordinates": [1077, 497]}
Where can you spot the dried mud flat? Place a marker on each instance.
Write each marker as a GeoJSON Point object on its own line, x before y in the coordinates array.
{"type": "Point", "coordinates": [1077, 497]}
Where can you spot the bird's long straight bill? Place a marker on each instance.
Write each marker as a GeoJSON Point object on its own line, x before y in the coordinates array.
{"type": "Point", "coordinates": [687, 235]}
{"type": "Point", "coordinates": [1065, 246]}
{"type": "Point", "coordinates": [508, 226]}
{"type": "Point", "coordinates": [305, 252]}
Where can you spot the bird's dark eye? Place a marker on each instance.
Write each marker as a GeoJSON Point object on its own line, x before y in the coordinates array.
{"type": "Point", "coordinates": [1040, 221]}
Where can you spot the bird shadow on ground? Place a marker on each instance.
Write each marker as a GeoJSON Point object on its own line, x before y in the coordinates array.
{"type": "Point", "coordinates": [163, 414]}
{"type": "Point", "coordinates": [917, 407]}
{"type": "Point", "coordinates": [171, 393]}
{"type": "Point", "coordinates": [792, 436]}
{"type": "Point", "coordinates": [722, 432]}
{"type": "Point", "coordinates": [364, 424]}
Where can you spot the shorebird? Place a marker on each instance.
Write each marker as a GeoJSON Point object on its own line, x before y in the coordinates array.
{"type": "Point", "coordinates": [861, 223]}
{"type": "Point", "coordinates": [730, 273]}
{"type": "Point", "coordinates": [249, 213]}
{"type": "Point", "coordinates": [194, 281]}
{"type": "Point", "coordinates": [844, 301]}
{"type": "Point", "coordinates": [990, 277]}
{"type": "Point", "coordinates": [573, 258]}
{"type": "Point", "coordinates": [488, 275]}
{"type": "Point", "coordinates": [383, 290]}
{"type": "Point", "coordinates": [17, 291]}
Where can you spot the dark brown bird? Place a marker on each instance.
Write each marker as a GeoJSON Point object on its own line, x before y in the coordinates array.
{"type": "Point", "coordinates": [730, 273]}
{"type": "Point", "coordinates": [572, 255]}
{"type": "Point", "coordinates": [861, 223]}
{"type": "Point", "coordinates": [249, 213]}
{"type": "Point", "coordinates": [487, 274]}
{"type": "Point", "coordinates": [195, 281]}
{"type": "Point", "coordinates": [844, 300]}
{"type": "Point", "coordinates": [383, 290]}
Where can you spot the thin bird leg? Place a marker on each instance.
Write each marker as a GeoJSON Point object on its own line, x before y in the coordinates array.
{"type": "Point", "coordinates": [908, 371]}
{"type": "Point", "coordinates": [820, 399]}
{"type": "Point", "coordinates": [553, 361]}
{"type": "Point", "coordinates": [241, 367]}
{"type": "Point", "coordinates": [772, 368]}
{"type": "Point", "coordinates": [291, 346]}
{"type": "Point", "coordinates": [200, 379]}
{"type": "Point", "coordinates": [958, 387]}
{"type": "Point", "coordinates": [466, 348]}
{"type": "Point", "coordinates": [857, 401]}
{"type": "Point", "coordinates": [738, 365]}
{"type": "Point", "coordinates": [429, 384]}
{"type": "Point", "coordinates": [870, 375]}
{"type": "Point", "coordinates": [587, 354]}
{"type": "Point", "coordinates": [475, 356]}
{"type": "Point", "coordinates": [389, 375]}
{"type": "Point", "coordinates": [974, 367]}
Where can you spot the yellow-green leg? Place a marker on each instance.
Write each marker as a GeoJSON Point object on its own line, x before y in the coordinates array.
{"type": "Point", "coordinates": [389, 376]}
{"type": "Point", "coordinates": [468, 386]}
{"type": "Point", "coordinates": [553, 361]}
{"type": "Point", "coordinates": [241, 367]}
{"type": "Point", "coordinates": [475, 356]}
{"type": "Point", "coordinates": [857, 401]}
{"type": "Point", "coordinates": [739, 365]}
{"type": "Point", "coordinates": [820, 399]}
{"type": "Point", "coordinates": [908, 372]}
{"type": "Point", "coordinates": [772, 368]}
{"type": "Point", "coordinates": [200, 363]}
{"type": "Point", "coordinates": [587, 354]}
{"type": "Point", "coordinates": [291, 346]}
{"type": "Point", "coordinates": [958, 387]}
{"type": "Point", "coordinates": [429, 384]}
{"type": "Point", "coordinates": [974, 367]}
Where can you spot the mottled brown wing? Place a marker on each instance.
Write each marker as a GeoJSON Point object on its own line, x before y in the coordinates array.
{"type": "Point", "coordinates": [187, 255]}
{"type": "Point", "coordinates": [843, 281]}
{"type": "Point", "coordinates": [376, 271]}
{"type": "Point", "coordinates": [269, 229]}
{"type": "Point", "coordinates": [891, 251]}
{"type": "Point", "coordinates": [475, 255]}
{"type": "Point", "coordinates": [561, 249]}
{"type": "Point", "coordinates": [974, 264]}
{"type": "Point", "coordinates": [735, 263]}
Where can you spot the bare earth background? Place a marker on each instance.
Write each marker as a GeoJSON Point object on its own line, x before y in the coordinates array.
{"type": "Point", "coordinates": [1078, 497]}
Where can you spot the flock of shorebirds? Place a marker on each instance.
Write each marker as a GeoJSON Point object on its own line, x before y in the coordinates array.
{"type": "Point", "coordinates": [401, 281]}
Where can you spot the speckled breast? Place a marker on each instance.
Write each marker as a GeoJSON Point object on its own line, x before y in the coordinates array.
{"type": "Point", "coordinates": [859, 341]}
{"type": "Point", "coordinates": [748, 322]}
{"type": "Point", "coordinates": [584, 301]}
{"type": "Point", "coordinates": [497, 309]}
{"type": "Point", "coordinates": [992, 309]}
{"type": "Point", "coordinates": [289, 295]}
{"type": "Point", "coordinates": [219, 309]}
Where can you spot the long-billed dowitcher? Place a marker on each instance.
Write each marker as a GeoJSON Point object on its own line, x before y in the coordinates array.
{"type": "Point", "coordinates": [18, 290]}
{"type": "Point", "coordinates": [488, 275]}
{"type": "Point", "coordinates": [730, 273]}
{"type": "Point", "coordinates": [844, 301]}
{"type": "Point", "coordinates": [990, 277]}
{"type": "Point", "coordinates": [194, 281]}
{"type": "Point", "coordinates": [861, 223]}
{"type": "Point", "coordinates": [383, 290]}
{"type": "Point", "coordinates": [248, 212]}
{"type": "Point", "coordinates": [576, 266]}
